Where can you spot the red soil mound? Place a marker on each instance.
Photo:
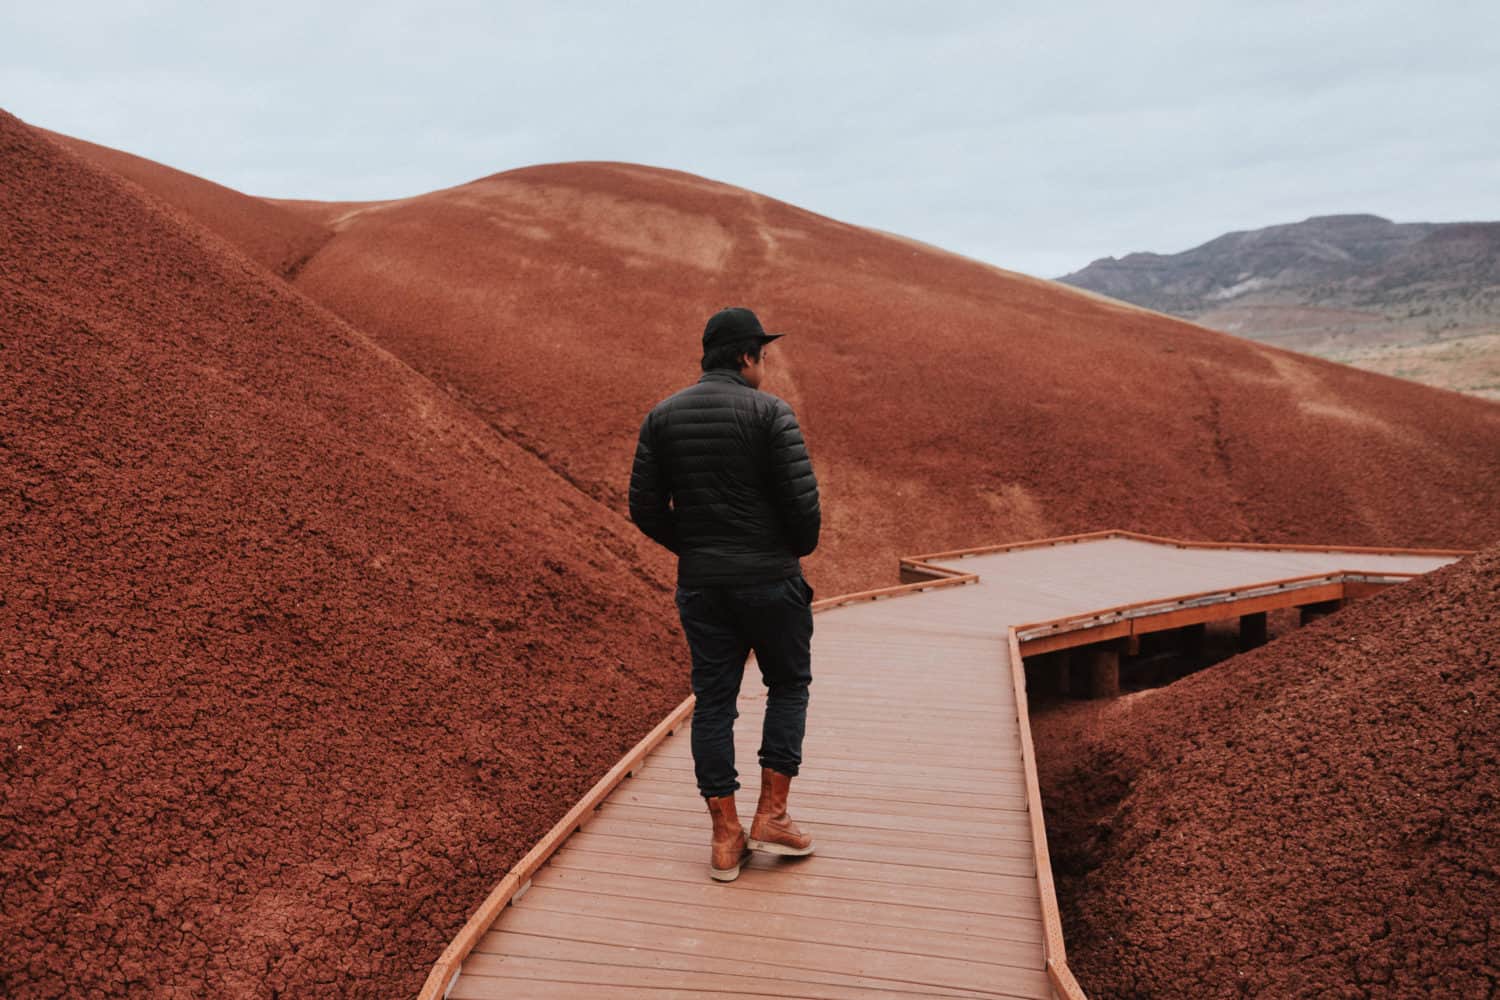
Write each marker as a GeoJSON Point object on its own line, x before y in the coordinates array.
{"type": "Point", "coordinates": [295, 547]}
{"type": "Point", "coordinates": [946, 403]}
{"type": "Point", "coordinates": [298, 655]}
{"type": "Point", "coordinates": [1317, 817]}
{"type": "Point", "coordinates": [278, 239]}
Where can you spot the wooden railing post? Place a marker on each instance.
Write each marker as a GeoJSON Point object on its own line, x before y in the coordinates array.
{"type": "Point", "coordinates": [1104, 669]}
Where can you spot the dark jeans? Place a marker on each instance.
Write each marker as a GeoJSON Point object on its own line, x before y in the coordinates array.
{"type": "Point", "coordinates": [722, 625]}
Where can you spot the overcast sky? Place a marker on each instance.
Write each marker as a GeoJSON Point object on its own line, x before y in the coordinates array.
{"type": "Point", "coordinates": [1037, 137]}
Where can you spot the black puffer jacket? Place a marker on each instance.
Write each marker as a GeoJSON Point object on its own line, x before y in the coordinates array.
{"type": "Point", "coordinates": [722, 478]}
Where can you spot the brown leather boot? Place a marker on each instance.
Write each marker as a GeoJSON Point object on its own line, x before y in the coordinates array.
{"type": "Point", "coordinates": [772, 830]}
{"type": "Point", "coordinates": [728, 848]}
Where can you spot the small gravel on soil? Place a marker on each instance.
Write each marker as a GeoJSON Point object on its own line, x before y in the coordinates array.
{"type": "Point", "coordinates": [1315, 818]}
{"type": "Point", "coordinates": [304, 645]}
{"type": "Point", "coordinates": [297, 657]}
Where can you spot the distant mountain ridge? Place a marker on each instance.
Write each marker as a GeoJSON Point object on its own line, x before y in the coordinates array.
{"type": "Point", "coordinates": [1352, 261]}
{"type": "Point", "coordinates": [1356, 288]}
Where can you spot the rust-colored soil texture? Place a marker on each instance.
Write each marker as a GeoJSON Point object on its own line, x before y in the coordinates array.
{"type": "Point", "coordinates": [560, 302]}
{"type": "Point", "coordinates": [277, 238]}
{"type": "Point", "coordinates": [319, 608]}
{"type": "Point", "coordinates": [1315, 818]}
{"type": "Point", "coordinates": [946, 403]}
{"type": "Point", "coordinates": [298, 655]}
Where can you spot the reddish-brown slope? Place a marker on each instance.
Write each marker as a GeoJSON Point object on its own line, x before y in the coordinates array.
{"type": "Point", "coordinates": [277, 238]}
{"type": "Point", "coordinates": [298, 656]}
{"type": "Point", "coordinates": [1319, 817]}
{"type": "Point", "coordinates": [946, 403]}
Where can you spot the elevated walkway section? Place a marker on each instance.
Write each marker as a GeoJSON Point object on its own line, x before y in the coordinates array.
{"type": "Point", "coordinates": [931, 876]}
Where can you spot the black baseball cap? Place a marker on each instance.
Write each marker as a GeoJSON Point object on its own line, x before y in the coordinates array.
{"type": "Point", "coordinates": [735, 326]}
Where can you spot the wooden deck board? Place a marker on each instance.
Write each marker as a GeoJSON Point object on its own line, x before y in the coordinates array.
{"type": "Point", "coordinates": [1000, 857]}
{"type": "Point", "coordinates": [954, 736]}
{"type": "Point", "coordinates": [776, 923]}
{"type": "Point", "coordinates": [510, 976]}
{"type": "Point", "coordinates": [685, 863]}
{"type": "Point", "coordinates": [732, 970]}
{"type": "Point", "coordinates": [855, 843]}
{"type": "Point", "coordinates": [924, 881]}
{"type": "Point", "coordinates": [775, 957]}
{"type": "Point", "coordinates": [675, 796]}
{"type": "Point", "coordinates": [875, 756]}
{"type": "Point", "coordinates": [762, 899]}
{"type": "Point", "coordinates": [813, 815]}
{"type": "Point", "coordinates": [897, 783]}
{"type": "Point", "coordinates": [885, 787]}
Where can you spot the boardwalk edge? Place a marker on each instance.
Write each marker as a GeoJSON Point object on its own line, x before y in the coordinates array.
{"type": "Point", "coordinates": [927, 576]}
{"type": "Point", "coordinates": [446, 969]}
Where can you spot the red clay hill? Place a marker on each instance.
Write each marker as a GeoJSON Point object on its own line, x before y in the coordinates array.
{"type": "Point", "coordinates": [946, 403]}
{"type": "Point", "coordinates": [303, 648]}
{"type": "Point", "coordinates": [298, 655]}
{"type": "Point", "coordinates": [1319, 817]}
{"type": "Point", "coordinates": [276, 238]}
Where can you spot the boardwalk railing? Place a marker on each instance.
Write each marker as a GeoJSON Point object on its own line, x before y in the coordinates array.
{"type": "Point", "coordinates": [1180, 543]}
{"type": "Point", "coordinates": [518, 878]}
{"type": "Point", "coordinates": [1052, 933]}
{"type": "Point", "coordinates": [1187, 609]}
{"type": "Point", "coordinates": [921, 573]}
{"type": "Point", "coordinates": [1125, 618]}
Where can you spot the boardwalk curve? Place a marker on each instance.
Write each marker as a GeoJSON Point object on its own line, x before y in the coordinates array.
{"type": "Point", "coordinates": [931, 875]}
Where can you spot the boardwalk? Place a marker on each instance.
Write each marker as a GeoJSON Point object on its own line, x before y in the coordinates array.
{"type": "Point", "coordinates": [916, 788]}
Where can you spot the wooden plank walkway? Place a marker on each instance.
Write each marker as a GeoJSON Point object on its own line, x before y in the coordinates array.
{"type": "Point", "coordinates": [915, 787]}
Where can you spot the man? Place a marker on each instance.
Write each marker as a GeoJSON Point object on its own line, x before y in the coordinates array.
{"type": "Point", "coordinates": [722, 478]}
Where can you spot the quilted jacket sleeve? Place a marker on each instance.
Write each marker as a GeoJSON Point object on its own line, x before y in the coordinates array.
{"type": "Point", "coordinates": [793, 482]}
{"type": "Point", "coordinates": [650, 493]}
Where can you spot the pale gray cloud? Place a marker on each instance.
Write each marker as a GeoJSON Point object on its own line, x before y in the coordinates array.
{"type": "Point", "coordinates": [1035, 138]}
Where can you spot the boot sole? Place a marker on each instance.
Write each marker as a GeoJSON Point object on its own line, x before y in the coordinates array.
{"type": "Point", "coordinates": [782, 849]}
{"type": "Point", "coordinates": [729, 874]}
